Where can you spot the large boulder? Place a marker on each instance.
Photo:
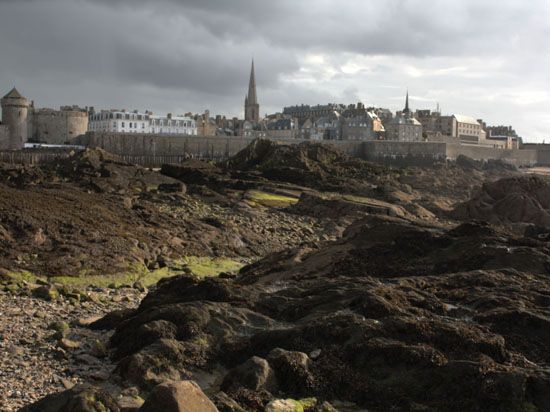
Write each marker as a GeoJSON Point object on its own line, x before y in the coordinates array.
{"type": "Point", "coordinates": [81, 398]}
{"type": "Point", "coordinates": [181, 396]}
{"type": "Point", "coordinates": [254, 374]}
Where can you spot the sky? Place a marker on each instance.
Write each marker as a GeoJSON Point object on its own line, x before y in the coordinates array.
{"type": "Point", "coordinates": [489, 59]}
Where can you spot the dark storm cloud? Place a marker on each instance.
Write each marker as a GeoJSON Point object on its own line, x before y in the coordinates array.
{"type": "Point", "coordinates": [195, 54]}
{"type": "Point", "coordinates": [409, 27]}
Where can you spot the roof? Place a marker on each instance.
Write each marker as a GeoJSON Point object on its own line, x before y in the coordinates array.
{"type": "Point", "coordinates": [280, 124]}
{"type": "Point", "coordinates": [405, 120]}
{"type": "Point", "coordinates": [13, 94]}
{"type": "Point", "coordinates": [465, 119]}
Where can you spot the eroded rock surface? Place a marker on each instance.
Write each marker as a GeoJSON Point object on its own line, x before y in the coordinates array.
{"type": "Point", "coordinates": [395, 316]}
{"type": "Point", "coordinates": [524, 199]}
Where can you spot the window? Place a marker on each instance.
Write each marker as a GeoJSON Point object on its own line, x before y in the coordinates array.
{"type": "Point", "coordinates": [122, 124]}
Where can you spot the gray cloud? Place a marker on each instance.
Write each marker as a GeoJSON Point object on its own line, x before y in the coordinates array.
{"type": "Point", "coordinates": [487, 58]}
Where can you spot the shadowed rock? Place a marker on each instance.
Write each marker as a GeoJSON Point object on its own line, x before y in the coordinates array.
{"type": "Point", "coordinates": [396, 316]}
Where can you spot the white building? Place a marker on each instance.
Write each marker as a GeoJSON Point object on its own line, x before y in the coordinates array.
{"type": "Point", "coordinates": [172, 125]}
{"type": "Point", "coordinates": [121, 121]}
{"type": "Point", "coordinates": [468, 129]}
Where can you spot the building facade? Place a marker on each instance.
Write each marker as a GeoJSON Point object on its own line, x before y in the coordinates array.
{"type": "Point", "coordinates": [468, 129]}
{"type": "Point", "coordinates": [251, 105]}
{"type": "Point", "coordinates": [367, 126]}
{"type": "Point", "coordinates": [285, 128]}
{"type": "Point", "coordinates": [404, 127]}
{"type": "Point", "coordinates": [436, 127]}
{"type": "Point", "coordinates": [122, 121]}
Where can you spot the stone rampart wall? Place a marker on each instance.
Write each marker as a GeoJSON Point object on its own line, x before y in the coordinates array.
{"type": "Point", "coordinates": [517, 157]}
{"type": "Point", "coordinates": [57, 127]}
{"type": "Point", "coordinates": [387, 152]}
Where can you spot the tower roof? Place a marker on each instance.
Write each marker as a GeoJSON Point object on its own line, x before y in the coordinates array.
{"type": "Point", "coordinates": [252, 86]}
{"type": "Point", "coordinates": [407, 110]}
{"type": "Point", "coordinates": [13, 94]}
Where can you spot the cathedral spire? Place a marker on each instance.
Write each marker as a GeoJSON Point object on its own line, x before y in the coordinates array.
{"type": "Point", "coordinates": [407, 110]}
{"type": "Point", "coordinates": [251, 106]}
{"type": "Point", "coordinates": [252, 86]}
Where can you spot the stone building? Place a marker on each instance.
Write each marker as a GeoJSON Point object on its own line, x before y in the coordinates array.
{"type": "Point", "coordinates": [327, 127]}
{"type": "Point", "coordinates": [456, 127]}
{"type": "Point", "coordinates": [436, 127]}
{"type": "Point", "coordinates": [57, 126]}
{"type": "Point", "coordinates": [504, 136]}
{"type": "Point", "coordinates": [251, 106]}
{"type": "Point", "coordinates": [15, 110]}
{"type": "Point", "coordinates": [25, 123]}
{"type": "Point", "coordinates": [253, 130]}
{"type": "Point", "coordinates": [404, 127]}
{"type": "Point", "coordinates": [206, 126]}
{"type": "Point", "coordinates": [366, 126]}
{"type": "Point", "coordinates": [285, 128]}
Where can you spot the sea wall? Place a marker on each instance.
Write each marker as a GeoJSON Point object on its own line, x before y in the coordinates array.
{"type": "Point", "coordinates": [399, 154]}
{"type": "Point", "coordinates": [204, 147]}
{"type": "Point", "coordinates": [32, 156]}
{"type": "Point", "coordinates": [518, 157]}
{"type": "Point", "coordinates": [152, 148]}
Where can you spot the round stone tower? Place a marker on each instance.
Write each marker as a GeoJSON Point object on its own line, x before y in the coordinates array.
{"type": "Point", "coordinates": [14, 115]}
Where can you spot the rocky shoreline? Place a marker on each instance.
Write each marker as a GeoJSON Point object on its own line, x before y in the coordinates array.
{"type": "Point", "coordinates": [46, 346]}
{"type": "Point", "coordinates": [292, 278]}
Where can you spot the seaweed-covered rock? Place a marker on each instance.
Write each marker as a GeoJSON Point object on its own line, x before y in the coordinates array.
{"type": "Point", "coordinates": [396, 316]}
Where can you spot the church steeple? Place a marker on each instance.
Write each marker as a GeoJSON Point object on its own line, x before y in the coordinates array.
{"type": "Point", "coordinates": [407, 110]}
{"type": "Point", "coordinates": [252, 86]}
{"type": "Point", "coordinates": [251, 106]}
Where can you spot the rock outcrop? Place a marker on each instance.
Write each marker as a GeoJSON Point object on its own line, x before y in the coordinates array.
{"type": "Point", "coordinates": [313, 165]}
{"type": "Point", "coordinates": [524, 199]}
{"type": "Point", "coordinates": [395, 315]}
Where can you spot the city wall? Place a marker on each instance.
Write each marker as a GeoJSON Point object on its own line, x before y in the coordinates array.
{"type": "Point", "coordinates": [202, 147]}
{"type": "Point", "coordinates": [4, 137]}
{"type": "Point", "coordinates": [401, 154]}
{"type": "Point", "coordinates": [57, 127]}
{"type": "Point", "coordinates": [154, 150]}
{"type": "Point", "coordinates": [518, 157]}
{"type": "Point", "coordinates": [32, 156]}
{"type": "Point", "coordinates": [391, 153]}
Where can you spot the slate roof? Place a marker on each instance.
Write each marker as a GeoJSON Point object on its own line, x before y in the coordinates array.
{"type": "Point", "coordinates": [405, 120]}
{"type": "Point", "coordinates": [13, 94]}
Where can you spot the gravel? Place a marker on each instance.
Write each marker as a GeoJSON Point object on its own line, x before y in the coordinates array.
{"type": "Point", "coordinates": [35, 359]}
